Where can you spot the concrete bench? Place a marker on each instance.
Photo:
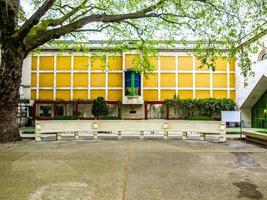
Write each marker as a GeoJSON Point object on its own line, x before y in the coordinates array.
{"type": "Point", "coordinates": [62, 127]}
{"type": "Point", "coordinates": [254, 136]}
{"type": "Point", "coordinates": [143, 129]}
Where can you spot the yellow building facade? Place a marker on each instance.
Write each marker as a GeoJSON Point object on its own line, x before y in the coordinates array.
{"type": "Point", "coordinates": [85, 76]}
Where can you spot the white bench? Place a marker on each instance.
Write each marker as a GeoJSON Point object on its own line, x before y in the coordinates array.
{"type": "Point", "coordinates": [131, 128]}
{"type": "Point", "coordinates": [62, 127]}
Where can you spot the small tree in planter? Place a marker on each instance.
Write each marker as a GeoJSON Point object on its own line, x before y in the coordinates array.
{"type": "Point", "coordinates": [100, 107]}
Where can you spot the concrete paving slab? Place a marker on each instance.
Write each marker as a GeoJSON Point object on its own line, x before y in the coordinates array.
{"type": "Point", "coordinates": [133, 170]}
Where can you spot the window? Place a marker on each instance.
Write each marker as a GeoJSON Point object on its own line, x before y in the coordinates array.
{"type": "Point", "coordinates": [132, 83]}
{"type": "Point", "coordinates": [45, 111]}
{"type": "Point", "coordinates": [262, 55]}
{"type": "Point", "coordinates": [60, 110]}
{"type": "Point", "coordinates": [259, 113]}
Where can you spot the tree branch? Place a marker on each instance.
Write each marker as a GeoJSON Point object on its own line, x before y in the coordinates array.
{"type": "Point", "coordinates": [61, 20]}
{"type": "Point", "coordinates": [33, 20]}
{"type": "Point", "coordinates": [47, 35]}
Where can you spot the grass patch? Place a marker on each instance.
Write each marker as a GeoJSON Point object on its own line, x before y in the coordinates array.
{"type": "Point", "coordinates": [28, 130]}
{"type": "Point", "coordinates": [262, 131]}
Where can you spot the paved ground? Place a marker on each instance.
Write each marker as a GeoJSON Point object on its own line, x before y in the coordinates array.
{"type": "Point", "coordinates": [133, 170]}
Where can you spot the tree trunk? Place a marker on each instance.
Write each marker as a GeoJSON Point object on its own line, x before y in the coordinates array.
{"type": "Point", "coordinates": [11, 59]}
{"type": "Point", "coordinates": [9, 131]}
{"type": "Point", "coordinates": [10, 79]}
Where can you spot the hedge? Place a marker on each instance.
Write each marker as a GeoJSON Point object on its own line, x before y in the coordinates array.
{"type": "Point", "coordinates": [209, 107]}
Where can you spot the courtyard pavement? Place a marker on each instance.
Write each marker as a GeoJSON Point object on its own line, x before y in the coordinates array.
{"type": "Point", "coordinates": [133, 170]}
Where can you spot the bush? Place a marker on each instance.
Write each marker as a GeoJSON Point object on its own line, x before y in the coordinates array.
{"type": "Point", "coordinates": [67, 117]}
{"type": "Point", "coordinates": [204, 118]}
{"type": "Point", "coordinates": [209, 107]}
{"type": "Point", "coordinates": [100, 107]}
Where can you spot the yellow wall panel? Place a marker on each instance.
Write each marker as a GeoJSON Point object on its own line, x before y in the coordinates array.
{"type": "Point", "coordinates": [98, 63]}
{"type": "Point", "coordinates": [167, 63]}
{"type": "Point", "coordinates": [201, 94]}
{"type": "Point", "coordinates": [153, 61]}
{"type": "Point", "coordinates": [33, 80]}
{"type": "Point", "coordinates": [221, 64]}
{"type": "Point", "coordinates": [219, 94]}
{"type": "Point", "coordinates": [150, 95]}
{"type": "Point", "coordinates": [185, 62]}
{"type": "Point", "coordinates": [114, 95]}
{"type": "Point", "coordinates": [34, 62]}
{"type": "Point", "coordinates": [98, 80]}
{"type": "Point", "coordinates": [232, 80]}
{"type": "Point", "coordinates": [46, 63]}
{"type": "Point", "coordinates": [115, 63]}
{"type": "Point", "coordinates": [232, 94]}
{"type": "Point", "coordinates": [80, 94]}
{"type": "Point", "coordinates": [167, 94]}
{"type": "Point", "coordinates": [115, 80]}
{"type": "Point", "coordinates": [167, 80]}
{"type": "Point", "coordinates": [33, 94]}
{"type": "Point", "coordinates": [198, 64]}
{"type": "Point", "coordinates": [63, 63]}
{"type": "Point", "coordinates": [46, 94]}
{"type": "Point", "coordinates": [80, 80]}
{"type": "Point", "coordinates": [46, 80]}
{"type": "Point", "coordinates": [219, 80]}
{"type": "Point", "coordinates": [63, 95]}
{"type": "Point", "coordinates": [232, 64]}
{"type": "Point", "coordinates": [97, 93]}
{"type": "Point", "coordinates": [185, 80]}
{"type": "Point", "coordinates": [80, 63]}
{"type": "Point", "coordinates": [185, 94]}
{"type": "Point", "coordinates": [63, 80]}
{"type": "Point", "coordinates": [202, 80]}
{"type": "Point", "coordinates": [151, 80]}
{"type": "Point", "coordinates": [130, 60]}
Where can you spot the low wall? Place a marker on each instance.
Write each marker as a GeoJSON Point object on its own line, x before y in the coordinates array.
{"type": "Point", "coordinates": [161, 128]}
{"type": "Point", "coordinates": [254, 136]}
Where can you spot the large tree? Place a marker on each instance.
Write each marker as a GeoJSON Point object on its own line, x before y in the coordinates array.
{"type": "Point", "coordinates": [224, 22]}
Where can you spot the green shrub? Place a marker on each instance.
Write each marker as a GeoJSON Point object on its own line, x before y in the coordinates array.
{"type": "Point", "coordinates": [67, 117]}
{"type": "Point", "coordinates": [204, 118]}
{"type": "Point", "coordinates": [100, 107]}
{"type": "Point", "coordinates": [211, 107]}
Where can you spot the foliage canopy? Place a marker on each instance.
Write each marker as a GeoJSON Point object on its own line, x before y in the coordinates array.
{"type": "Point", "coordinates": [216, 27]}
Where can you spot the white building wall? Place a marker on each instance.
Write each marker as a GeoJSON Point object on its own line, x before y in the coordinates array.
{"type": "Point", "coordinates": [25, 86]}
{"type": "Point", "coordinates": [242, 92]}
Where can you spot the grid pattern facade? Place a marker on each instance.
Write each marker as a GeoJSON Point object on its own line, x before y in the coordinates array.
{"type": "Point", "coordinates": [85, 76]}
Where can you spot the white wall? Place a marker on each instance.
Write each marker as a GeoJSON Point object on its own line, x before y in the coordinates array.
{"type": "Point", "coordinates": [259, 68]}
{"type": "Point", "coordinates": [242, 92]}
{"type": "Point", "coordinates": [25, 90]}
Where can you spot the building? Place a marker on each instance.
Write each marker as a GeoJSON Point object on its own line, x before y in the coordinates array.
{"type": "Point", "coordinates": [65, 83]}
